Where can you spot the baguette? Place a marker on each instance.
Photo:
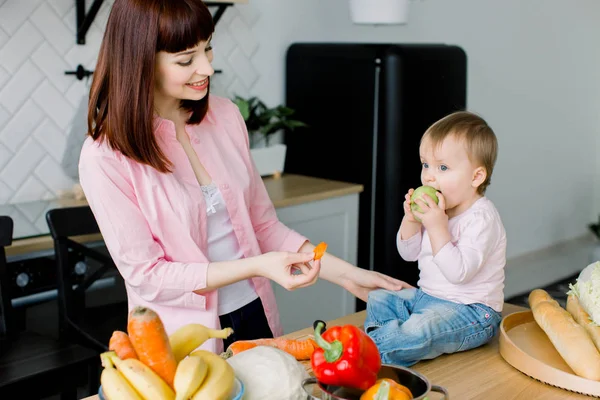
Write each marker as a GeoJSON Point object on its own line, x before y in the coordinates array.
{"type": "Point", "coordinates": [569, 338]}
{"type": "Point", "coordinates": [576, 310]}
{"type": "Point", "coordinates": [538, 295]}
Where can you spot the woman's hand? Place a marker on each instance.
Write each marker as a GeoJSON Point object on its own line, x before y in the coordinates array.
{"type": "Point", "coordinates": [360, 282]}
{"type": "Point", "coordinates": [290, 270]}
{"type": "Point", "coordinates": [356, 280]}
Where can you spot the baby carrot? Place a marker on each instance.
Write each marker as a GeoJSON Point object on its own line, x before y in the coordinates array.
{"type": "Point", "coordinates": [151, 343]}
{"type": "Point", "coordinates": [320, 250]}
{"type": "Point", "coordinates": [300, 349]}
{"type": "Point", "coordinates": [119, 343]}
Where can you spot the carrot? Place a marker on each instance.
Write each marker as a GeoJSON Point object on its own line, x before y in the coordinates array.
{"type": "Point", "coordinates": [151, 343]}
{"type": "Point", "coordinates": [300, 349]}
{"type": "Point", "coordinates": [320, 250]}
{"type": "Point", "coordinates": [119, 343]}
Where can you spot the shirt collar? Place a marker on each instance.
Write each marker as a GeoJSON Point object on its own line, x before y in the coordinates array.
{"type": "Point", "coordinates": [166, 127]}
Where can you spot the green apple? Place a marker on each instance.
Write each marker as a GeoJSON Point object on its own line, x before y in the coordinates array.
{"type": "Point", "coordinates": [418, 194]}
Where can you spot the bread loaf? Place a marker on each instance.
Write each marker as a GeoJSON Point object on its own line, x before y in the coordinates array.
{"type": "Point", "coordinates": [569, 338]}
{"type": "Point", "coordinates": [538, 295]}
{"type": "Point", "coordinates": [583, 319]}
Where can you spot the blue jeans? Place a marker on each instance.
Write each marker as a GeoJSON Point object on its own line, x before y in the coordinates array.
{"type": "Point", "coordinates": [409, 325]}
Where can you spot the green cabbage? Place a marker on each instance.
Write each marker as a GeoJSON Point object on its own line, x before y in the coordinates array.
{"type": "Point", "coordinates": [587, 290]}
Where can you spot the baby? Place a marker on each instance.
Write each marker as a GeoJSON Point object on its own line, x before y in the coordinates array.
{"type": "Point", "coordinates": [460, 245]}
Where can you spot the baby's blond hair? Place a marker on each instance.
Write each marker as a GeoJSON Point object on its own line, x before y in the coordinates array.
{"type": "Point", "coordinates": [480, 140]}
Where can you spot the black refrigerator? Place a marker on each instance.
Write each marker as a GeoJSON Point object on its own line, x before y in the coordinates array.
{"type": "Point", "coordinates": [367, 106]}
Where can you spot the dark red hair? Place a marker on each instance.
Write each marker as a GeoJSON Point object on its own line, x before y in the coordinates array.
{"type": "Point", "coordinates": [121, 105]}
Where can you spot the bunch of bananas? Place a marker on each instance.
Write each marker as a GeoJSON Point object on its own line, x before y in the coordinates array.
{"type": "Point", "coordinates": [200, 374]}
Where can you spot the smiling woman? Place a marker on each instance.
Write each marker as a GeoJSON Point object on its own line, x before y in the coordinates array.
{"type": "Point", "coordinates": [157, 33]}
{"type": "Point", "coordinates": [182, 75]}
{"type": "Point", "coordinates": [168, 174]}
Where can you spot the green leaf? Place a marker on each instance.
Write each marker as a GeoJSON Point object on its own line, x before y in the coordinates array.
{"type": "Point", "coordinates": [284, 111]}
{"type": "Point", "coordinates": [269, 129]}
{"type": "Point", "coordinates": [244, 110]}
{"type": "Point", "coordinates": [243, 106]}
{"type": "Point", "coordinates": [295, 124]}
{"type": "Point", "coordinates": [263, 121]}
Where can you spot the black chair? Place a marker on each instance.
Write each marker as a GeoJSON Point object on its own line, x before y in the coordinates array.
{"type": "Point", "coordinates": [79, 320]}
{"type": "Point", "coordinates": [34, 366]}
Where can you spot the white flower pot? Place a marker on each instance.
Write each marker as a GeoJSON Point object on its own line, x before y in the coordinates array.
{"type": "Point", "coordinates": [377, 12]}
{"type": "Point", "coordinates": [269, 160]}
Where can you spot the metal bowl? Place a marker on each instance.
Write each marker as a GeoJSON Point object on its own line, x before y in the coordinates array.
{"type": "Point", "coordinates": [418, 384]}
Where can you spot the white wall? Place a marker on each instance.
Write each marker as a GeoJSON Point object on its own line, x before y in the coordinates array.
{"type": "Point", "coordinates": [534, 74]}
{"type": "Point", "coordinates": [42, 110]}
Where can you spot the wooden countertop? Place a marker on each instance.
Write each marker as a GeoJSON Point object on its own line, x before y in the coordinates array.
{"type": "Point", "coordinates": [288, 190]}
{"type": "Point", "coordinates": [291, 190]}
{"type": "Point", "coordinates": [480, 373]}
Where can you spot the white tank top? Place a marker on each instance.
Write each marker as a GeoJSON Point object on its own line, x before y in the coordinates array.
{"type": "Point", "coordinates": [224, 246]}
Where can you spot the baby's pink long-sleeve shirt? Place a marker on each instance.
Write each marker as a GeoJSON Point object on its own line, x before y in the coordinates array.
{"type": "Point", "coordinates": [154, 224]}
{"type": "Point", "coordinates": [468, 269]}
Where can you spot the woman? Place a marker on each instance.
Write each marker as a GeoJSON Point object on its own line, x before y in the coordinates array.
{"type": "Point", "coordinates": [167, 172]}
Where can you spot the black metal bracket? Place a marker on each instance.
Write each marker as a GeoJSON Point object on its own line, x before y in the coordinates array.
{"type": "Point", "coordinates": [84, 21]}
{"type": "Point", "coordinates": [80, 72]}
{"type": "Point", "coordinates": [220, 10]}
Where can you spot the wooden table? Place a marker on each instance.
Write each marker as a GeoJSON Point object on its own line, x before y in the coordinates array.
{"type": "Point", "coordinates": [476, 374]}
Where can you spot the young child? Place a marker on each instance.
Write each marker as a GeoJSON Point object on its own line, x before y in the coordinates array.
{"type": "Point", "coordinates": [460, 246]}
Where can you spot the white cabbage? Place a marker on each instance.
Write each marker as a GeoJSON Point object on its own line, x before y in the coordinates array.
{"type": "Point", "coordinates": [269, 374]}
{"type": "Point", "coordinates": [587, 290]}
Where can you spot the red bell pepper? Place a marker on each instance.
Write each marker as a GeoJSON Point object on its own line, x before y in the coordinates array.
{"type": "Point", "coordinates": [346, 356]}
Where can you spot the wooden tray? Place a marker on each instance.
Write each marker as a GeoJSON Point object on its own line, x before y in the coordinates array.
{"type": "Point", "coordinates": [525, 346]}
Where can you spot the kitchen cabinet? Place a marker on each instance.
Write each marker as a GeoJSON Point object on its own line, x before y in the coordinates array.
{"type": "Point", "coordinates": [334, 221]}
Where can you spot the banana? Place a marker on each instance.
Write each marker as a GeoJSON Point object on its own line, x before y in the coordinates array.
{"type": "Point", "coordinates": [189, 337]}
{"type": "Point", "coordinates": [145, 381]}
{"type": "Point", "coordinates": [190, 374]}
{"type": "Point", "coordinates": [218, 384]}
{"type": "Point", "coordinates": [116, 387]}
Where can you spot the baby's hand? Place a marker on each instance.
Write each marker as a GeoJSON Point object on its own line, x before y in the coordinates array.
{"type": "Point", "coordinates": [433, 215]}
{"type": "Point", "coordinates": [407, 211]}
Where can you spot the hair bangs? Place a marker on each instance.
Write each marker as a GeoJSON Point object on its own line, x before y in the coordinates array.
{"type": "Point", "coordinates": [183, 24]}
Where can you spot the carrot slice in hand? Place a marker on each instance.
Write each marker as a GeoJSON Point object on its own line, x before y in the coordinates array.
{"type": "Point", "coordinates": [151, 342]}
{"type": "Point", "coordinates": [121, 344]}
{"type": "Point", "coordinates": [320, 250]}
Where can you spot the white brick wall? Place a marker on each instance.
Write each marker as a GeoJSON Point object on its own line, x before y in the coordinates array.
{"type": "Point", "coordinates": [38, 102]}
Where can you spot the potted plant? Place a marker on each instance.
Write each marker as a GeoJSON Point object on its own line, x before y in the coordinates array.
{"type": "Point", "coordinates": [377, 12]}
{"type": "Point", "coordinates": [262, 123]}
